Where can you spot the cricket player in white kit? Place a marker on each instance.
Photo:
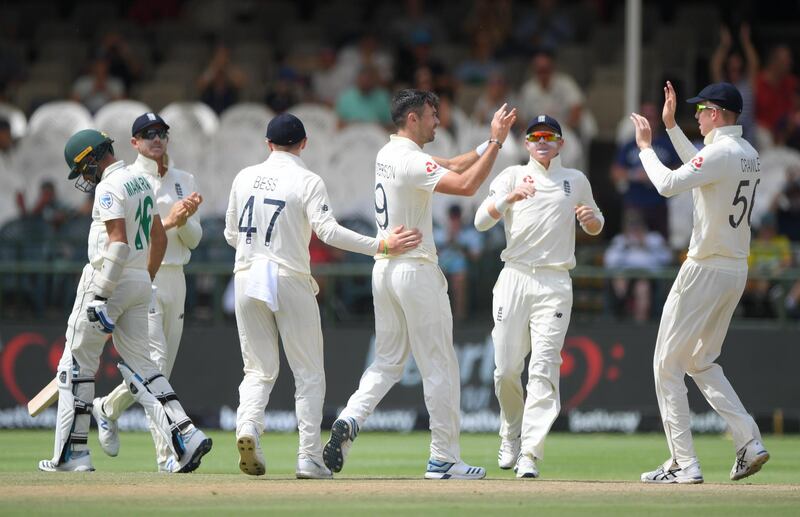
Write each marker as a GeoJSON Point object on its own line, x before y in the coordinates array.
{"type": "Point", "coordinates": [412, 311]}
{"type": "Point", "coordinates": [723, 177]}
{"type": "Point", "coordinates": [273, 208]}
{"type": "Point", "coordinates": [113, 297]}
{"type": "Point", "coordinates": [177, 203]}
{"type": "Point", "coordinates": [533, 294]}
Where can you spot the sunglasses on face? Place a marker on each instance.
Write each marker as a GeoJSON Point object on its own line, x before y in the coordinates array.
{"type": "Point", "coordinates": [150, 134]}
{"type": "Point", "coordinates": [701, 107]}
{"type": "Point", "coordinates": [546, 135]}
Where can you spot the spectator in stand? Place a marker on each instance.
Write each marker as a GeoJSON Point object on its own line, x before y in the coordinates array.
{"type": "Point", "coordinates": [47, 206]}
{"type": "Point", "coordinates": [770, 254]}
{"type": "Point", "coordinates": [551, 92]}
{"type": "Point", "coordinates": [367, 101]}
{"type": "Point", "coordinates": [122, 62]}
{"type": "Point", "coordinates": [543, 25]}
{"type": "Point", "coordinates": [458, 245]}
{"type": "Point", "coordinates": [776, 89]}
{"type": "Point", "coordinates": [327, 80]}
{"type": "Point", "coordinates": [494, 95]}
{"type": "Point", "coordinates": [221, 81]}
{"type": "Point", "coordinates": [787, 206]}
{"type": "Point", "coordinates": [492, 18]}
{"type": "Point", "coordinates": [415, 20]}
{"type": "Point", "coordinates": [635, 248]}
{"type": "Point", "coordinates": [13, 180]}
{"type": "Point", "coordinates": [98, 87]}
{"type": "Point", "coordinates": [481, 64]}
{"type": "Point", "coordinates": [740, 68]}
{"type": "Point", "coordinates": [630, 180]}
{"type": "Point", "coordinates": [285, 91]}
{"type": "Point", "coordinates": [414, 54]}
{"type": "Point", "coordinates": [366, 52]}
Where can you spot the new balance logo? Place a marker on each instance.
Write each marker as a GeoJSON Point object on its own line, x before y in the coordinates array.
{"type": "Point", "coordinates": [567, 188]}
{"type": "Point", "coordinates": [179, 190]}
{"type": "Point", "coordinates": [499, 316]}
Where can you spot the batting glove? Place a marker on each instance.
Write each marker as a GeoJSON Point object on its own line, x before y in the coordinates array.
{"type": "Point", "coordinates": [97, 312]}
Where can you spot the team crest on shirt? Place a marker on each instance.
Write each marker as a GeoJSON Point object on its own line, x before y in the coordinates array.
{"type": "Point", "coordinates": [696, 163]}
{"type": "Point", "coordinates": [567, 188]}
{"type": "Point", "coordinates": [430, 167]}
{"type": "Point", "coordinates": [106, 200]}
{"type": "Point", "coordinates": [179, 190]}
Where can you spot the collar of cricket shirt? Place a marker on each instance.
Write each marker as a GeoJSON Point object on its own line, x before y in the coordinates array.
{"type": "Point", "coordinates": [283, 156]}
{"type": "Point", "coordinates": [111, 169]}
{"type": "Point", "coordinates": [555, 164]}
{"type": "Point", "coordinates": [146, 165]}
{"type": "Point", "coordinates": [402, 140]}
{"type": "Point", "coordinates": [718, 132]}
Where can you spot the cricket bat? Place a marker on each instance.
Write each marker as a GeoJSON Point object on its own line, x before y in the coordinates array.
{"type": "Point", "coordinates": [44, 399]}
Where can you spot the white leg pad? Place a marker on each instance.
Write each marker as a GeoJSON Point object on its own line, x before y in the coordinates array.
{"type": "Point", "coordinates": [75, 395]}
{"type": "Point", "coordinates": [161, 405]}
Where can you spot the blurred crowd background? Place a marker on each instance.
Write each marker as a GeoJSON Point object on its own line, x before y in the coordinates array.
{"type": "Point", "coordinates": [218, 70]}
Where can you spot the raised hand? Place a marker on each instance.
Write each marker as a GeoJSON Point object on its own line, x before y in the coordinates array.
{"type": "Point", "coordinates": [644, 135]}
{"type": "Point", "coordinates": [670, 104]}
{"type": "Point", "coordinates": [401, 240]}
{"type": "Point", "coordinates": [502, 121]}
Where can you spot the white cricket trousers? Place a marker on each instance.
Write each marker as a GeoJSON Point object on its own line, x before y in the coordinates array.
{"type": "Point", "coordinates": [412, 314]}
{"type": "Point", "coordinates": [531, 310]}
{"type": "Point", "coordinates": [165, 328]}
{"type": "Point", "coordinates": [694, 322]}
{"type": "Point", "coordinates": [127, 307]}
{"type": "Point", "coordinates": [298, 323]}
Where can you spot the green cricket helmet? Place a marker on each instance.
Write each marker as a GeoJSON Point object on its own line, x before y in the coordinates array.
{"type": "Point", "coordinates": [83, 151]}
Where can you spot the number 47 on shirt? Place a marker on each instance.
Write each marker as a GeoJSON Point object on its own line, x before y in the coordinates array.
{"type": "Point", "coordinates": [249, 229]}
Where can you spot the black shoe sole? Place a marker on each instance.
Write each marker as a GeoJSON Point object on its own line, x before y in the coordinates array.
{"type": "Point", "coordinates": [332, 453]}
{"type": "Point", "coordinates": [202, 450]}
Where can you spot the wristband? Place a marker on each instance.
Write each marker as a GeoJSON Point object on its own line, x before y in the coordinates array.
{"type": "Point", "coordinates": [385, 246]}
{"type": "Point", "coordinates": [482, 148]}
{"type": "Point", "coordinates": [502, 205]}
{"type": "Point", "coordinates": [495, 141]}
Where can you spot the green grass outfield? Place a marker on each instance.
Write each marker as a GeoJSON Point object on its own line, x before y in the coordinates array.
{"type": "Point", "coordinates": [591, 474]}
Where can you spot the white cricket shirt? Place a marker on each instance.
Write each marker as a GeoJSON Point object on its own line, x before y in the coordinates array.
{"type": "Point", "coordinates": [723, 177]}
{"type": "Point", "coordinates": [540, 230]}
{"type": "Point", "coordinates": [405, 178]}
{"type": "Point", "coordinates": [272, 209]}
{"type": "Point", "coordinates": [122, 194]}
{"type": "Point", "coordinates": [169, 189]}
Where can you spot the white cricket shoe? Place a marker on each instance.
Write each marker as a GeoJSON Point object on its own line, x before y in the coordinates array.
{"type": "Point", "coordinates": [526, 467]}
{"type": "Point", "coordinates": [749, 460]}
{"type": "Point", "coordinates": [251, 457]}
{"type": "Point", "coordinates": [81, 463]}
{"type": "Point", "coordinates": [196, 445]}
{"type": "Point", "coordinates": [671, 472]}
{"type": "Point", "coordinates": [343, 432]}
{"type": "Point", "coordinates": [444, 470]}
{"type": "Point", "coordinates": [170, 466]}
{"type": "Point", "coordinates": [309, 468]}
{"type": "Point", "coordinates": [107, 429]}
{"type": "Point", "coordinates": [508, 453]}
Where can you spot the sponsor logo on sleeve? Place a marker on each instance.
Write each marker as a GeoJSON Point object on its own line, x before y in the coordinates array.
{"type": "Point", "coordinates": [431, 167]}
{"type": "Point", "coordinates": [696, 163]}
{"type": "Point", "coordinates": [106, 200]}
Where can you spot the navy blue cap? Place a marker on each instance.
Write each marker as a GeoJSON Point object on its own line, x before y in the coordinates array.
{"type": "Point", "coordinates": [544, 120]}
{"type": "Point", "coordinates": [724, 95]}
{"type": "Point", "coordinates": [285, 129]}
{"type": "Point", "coordinates": [142, 122]}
